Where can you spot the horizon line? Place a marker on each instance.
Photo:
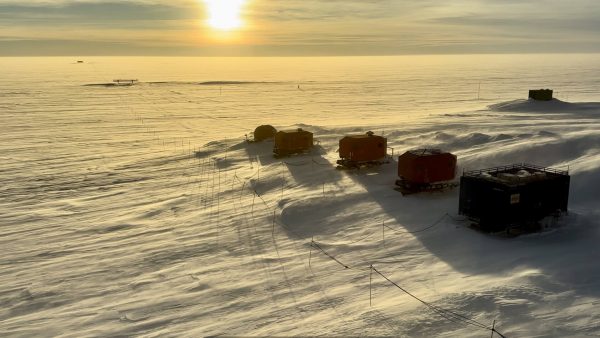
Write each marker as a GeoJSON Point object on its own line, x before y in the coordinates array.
{"type": "Point", "coordinates": [305, 55]}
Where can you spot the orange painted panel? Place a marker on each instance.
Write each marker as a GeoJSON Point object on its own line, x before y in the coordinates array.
{"type": "Point", "coordinates": [361, 148]}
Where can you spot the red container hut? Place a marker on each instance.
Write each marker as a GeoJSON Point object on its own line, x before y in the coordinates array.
{"type": "Point", "coordinates": [356, 150]}
{"type": "Point", "coordinates": [426, 169]}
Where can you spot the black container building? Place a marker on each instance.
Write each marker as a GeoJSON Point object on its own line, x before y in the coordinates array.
{"type": "Point", "coordinates": [516, 195]}
{"type": "Point", "coordinates": [540, 94]}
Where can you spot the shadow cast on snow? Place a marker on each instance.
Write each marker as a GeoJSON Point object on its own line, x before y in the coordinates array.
{"type": "Point", "coordinates": [472, 252]}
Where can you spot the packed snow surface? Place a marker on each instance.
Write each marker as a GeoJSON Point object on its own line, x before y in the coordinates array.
{"type": "Point", "coordinates": [142, 210]}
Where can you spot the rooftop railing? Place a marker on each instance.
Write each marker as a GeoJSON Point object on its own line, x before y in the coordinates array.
{"type": "Point", "coordinates": [513, 167]}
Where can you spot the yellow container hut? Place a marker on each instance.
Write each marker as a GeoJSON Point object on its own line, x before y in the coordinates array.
{"type": "Point", "coordinates": [295, 141]}
{"type": "Point", "coordinates": [264, 132]}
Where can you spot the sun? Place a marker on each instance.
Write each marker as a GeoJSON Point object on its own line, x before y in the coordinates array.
{"type": "Point", "coordinates": [224, 14]}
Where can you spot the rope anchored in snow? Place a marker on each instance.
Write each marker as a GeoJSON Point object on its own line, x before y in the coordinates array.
{"type": "Point", "coordinates": [420, 230]}
{"type": "Point", "coordinates": [317, 246]}
{"type": "Point", "coordinates": [296, 164]}
{"type": "Point", "coordinates": [323, 164]}
{"type": "Point", "coordinates": [450, 315]}
{"type": "Point", "coordinates": [447, 314]}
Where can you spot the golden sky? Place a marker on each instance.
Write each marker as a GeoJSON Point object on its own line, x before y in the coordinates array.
{"type": "Point", "coordinates": [297, 27]}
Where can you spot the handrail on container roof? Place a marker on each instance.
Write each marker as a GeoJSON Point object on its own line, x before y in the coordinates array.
{"type": "Point", "coordinates": [515, 166]}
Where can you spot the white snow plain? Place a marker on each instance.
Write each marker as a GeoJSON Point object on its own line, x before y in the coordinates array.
{"type": "Point", "coordinates": [117, 223]}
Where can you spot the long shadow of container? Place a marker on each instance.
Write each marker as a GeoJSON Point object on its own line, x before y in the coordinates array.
{"type": "Point", "coordinates": [472, 252]}
{"type": "Point", "coordinates": [312, 168]}
{"type": "Point", "coordinates": [309, 169]}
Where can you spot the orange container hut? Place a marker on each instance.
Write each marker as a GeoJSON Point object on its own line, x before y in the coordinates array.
{"type": "Point", "coordinates": [264, 132]}
{"type": "Point", "coordinates": [426, 166]}
{"type": "Point", "coordinates": [359, 149]}
{"type": "Point", "coordinates": [289, 142]}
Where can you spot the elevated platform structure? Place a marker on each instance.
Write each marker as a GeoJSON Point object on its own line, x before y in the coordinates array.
{"type": "Point", "coordinates": [125, 82]}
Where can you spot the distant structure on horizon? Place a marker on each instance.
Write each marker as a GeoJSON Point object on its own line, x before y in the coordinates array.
{"type": "Point", "coordinates": [540, 94]}
{"type": "Point", "coordinates": [125, 82]}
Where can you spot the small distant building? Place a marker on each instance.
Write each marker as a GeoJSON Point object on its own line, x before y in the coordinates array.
{"type": "Point", "coordinates": [540, 94]}
{"type": "Point", "coordinates": [288, 142]}
{"type": "Point", "coordinates": [516, 195]}
{"type": "Point", "coordinates": [264, 132]}
{"type": "Point", "coordinates": [356, 150]}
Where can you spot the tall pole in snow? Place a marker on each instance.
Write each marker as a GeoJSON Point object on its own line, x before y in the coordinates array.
{"type": "Point", "coordinates": [370, 285]}
{"type": "Point", "coordinates": [282, 181]}
{"type": "Point", "coordinates": [273, 230]}
{"type": "Point", "coordinates": [383, 232]}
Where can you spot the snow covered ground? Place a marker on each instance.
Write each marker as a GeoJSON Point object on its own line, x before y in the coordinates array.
{"type": "Point", "coordinates": [126, 222]}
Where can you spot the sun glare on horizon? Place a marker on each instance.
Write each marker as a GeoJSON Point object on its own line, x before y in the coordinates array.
{"type": "Point", "coordinates": [224, 14]}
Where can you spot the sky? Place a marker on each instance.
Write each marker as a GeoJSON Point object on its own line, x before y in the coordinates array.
{"type": "Point", "coordinates": [297, 27]}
